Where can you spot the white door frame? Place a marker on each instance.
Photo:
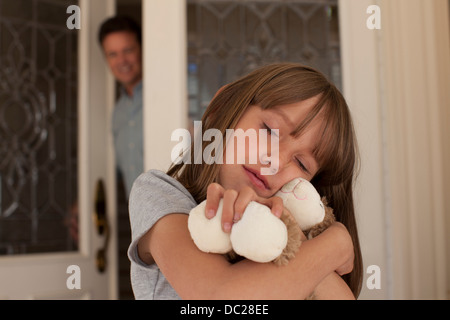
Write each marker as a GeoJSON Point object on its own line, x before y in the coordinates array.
{"type": "Point", "coordinates": [96, 99]}
{"type": "Point", "coordinates": [165, 78]}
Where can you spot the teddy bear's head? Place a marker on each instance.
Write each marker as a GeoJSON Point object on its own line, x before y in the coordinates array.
{"type": "Point", "coordinates": [303, 201]}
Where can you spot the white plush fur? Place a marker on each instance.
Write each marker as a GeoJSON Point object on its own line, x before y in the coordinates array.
{"type": "Point", "coordinates": [259, 235]}
{"type": "Point", "coordinates": [207, 233]}
{"type": "Point", "coordinates": [303, 201]}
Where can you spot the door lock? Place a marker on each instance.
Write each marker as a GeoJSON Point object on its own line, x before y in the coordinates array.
{"type": "Point", "coordinates": [102, 225]}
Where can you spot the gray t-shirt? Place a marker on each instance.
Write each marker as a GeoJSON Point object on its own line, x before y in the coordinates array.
{"type": "Point", "coordinates": [153, 196]}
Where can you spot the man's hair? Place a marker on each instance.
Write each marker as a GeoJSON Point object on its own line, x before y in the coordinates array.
{"type": "Point", "coordinates": [117, 24]}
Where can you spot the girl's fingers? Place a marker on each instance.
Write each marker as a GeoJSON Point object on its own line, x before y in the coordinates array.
{"type": "Point", "coordinates": [229, 198]}
{"type": "Point", "coordinates": [245, 196]}
{"type": "Point", "coordinates": [235, 203]}
{"type": "Point", "coordinates": [276, 206]}
{"type": "Point", "coordinates": [214, 193]}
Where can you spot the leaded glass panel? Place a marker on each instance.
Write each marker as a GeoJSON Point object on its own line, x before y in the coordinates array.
{"type": "Point", "coordinates": [227, 39]}
{"type": "Point", "coordinates": [38, 126]}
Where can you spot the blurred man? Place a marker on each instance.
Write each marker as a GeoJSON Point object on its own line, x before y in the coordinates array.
{"type": "Point", "coordinates": [120, 39]}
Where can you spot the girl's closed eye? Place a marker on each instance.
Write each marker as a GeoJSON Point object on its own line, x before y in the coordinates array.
{"type": "Point", "coordinates": [302, 166]}
{"type": "Point", "coordinates": [299, 162]}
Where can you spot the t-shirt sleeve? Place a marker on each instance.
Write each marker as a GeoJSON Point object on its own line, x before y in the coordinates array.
{"type": "Point", "coordinates": [153, 196]}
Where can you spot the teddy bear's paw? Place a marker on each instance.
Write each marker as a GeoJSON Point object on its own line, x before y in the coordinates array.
{"type": "Point", "coordinates": [207, 233]}
{"type": "Point", "coordinates": [259, 235]}
{"type": "Point", "coordinates": [294, 240]}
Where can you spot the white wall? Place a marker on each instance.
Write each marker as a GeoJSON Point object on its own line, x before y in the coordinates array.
{"type": "Point", "coordinates": [361, 86]}
{"type": "Point", "coordinates": [416, 53]}
{"type": "Point", "coordinates": [396, 81]}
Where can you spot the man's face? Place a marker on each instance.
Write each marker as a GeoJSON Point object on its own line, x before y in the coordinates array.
{"type": "Point", "coordinates": [123, 55]}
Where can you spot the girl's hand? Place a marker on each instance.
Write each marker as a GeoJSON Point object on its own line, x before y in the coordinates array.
{"type": "Point", "coordinates": [234, 203]}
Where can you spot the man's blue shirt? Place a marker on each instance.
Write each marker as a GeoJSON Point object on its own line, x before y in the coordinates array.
{"type": "Point", "coordinates": [128, 135]}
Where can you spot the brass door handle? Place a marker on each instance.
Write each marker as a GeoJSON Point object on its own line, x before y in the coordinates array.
{"type": "Point", "coordinates": [102, 225]}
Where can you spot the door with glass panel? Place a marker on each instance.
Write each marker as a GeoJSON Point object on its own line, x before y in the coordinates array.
{"type": "Point", "coordinates": [54, 207]}
{"type": "Point", "coordinates": [228, 39]}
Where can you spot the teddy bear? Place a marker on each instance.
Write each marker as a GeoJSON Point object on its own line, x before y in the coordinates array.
{"type": "Point", "coordinates": [259, 235]}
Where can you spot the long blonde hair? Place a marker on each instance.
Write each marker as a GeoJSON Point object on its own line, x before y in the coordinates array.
{"type": "Point", "coordinates": [336, 153]}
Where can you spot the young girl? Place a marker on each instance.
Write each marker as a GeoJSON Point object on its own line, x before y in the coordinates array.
{"type": "Point", "coordinates": [316, 142]}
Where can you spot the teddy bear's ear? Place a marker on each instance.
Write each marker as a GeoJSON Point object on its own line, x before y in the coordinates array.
{"type": "Point", "coordinates": [324, 201]}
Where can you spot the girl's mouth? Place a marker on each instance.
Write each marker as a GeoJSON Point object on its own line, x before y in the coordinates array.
{"type": "Point", "coordinates": [256, 179]}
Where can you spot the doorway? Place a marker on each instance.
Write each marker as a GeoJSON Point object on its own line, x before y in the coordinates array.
{"type": "Point", "coordinates": [132, 9]}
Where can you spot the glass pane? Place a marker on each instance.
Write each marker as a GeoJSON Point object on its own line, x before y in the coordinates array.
{"type": "Point", "coordinates": [38, 127]}
{"type": "Point", "coordinates": [227, 39]}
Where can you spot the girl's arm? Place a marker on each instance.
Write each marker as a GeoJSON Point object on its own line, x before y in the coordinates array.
{"type": "Point", "coordinates": [198, 275]}
{"type": "Point", "coordinates": [333, 287]}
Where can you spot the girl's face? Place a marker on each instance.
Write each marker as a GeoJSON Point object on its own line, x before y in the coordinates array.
{"type": "Point", "coordinates": [296, 154]}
